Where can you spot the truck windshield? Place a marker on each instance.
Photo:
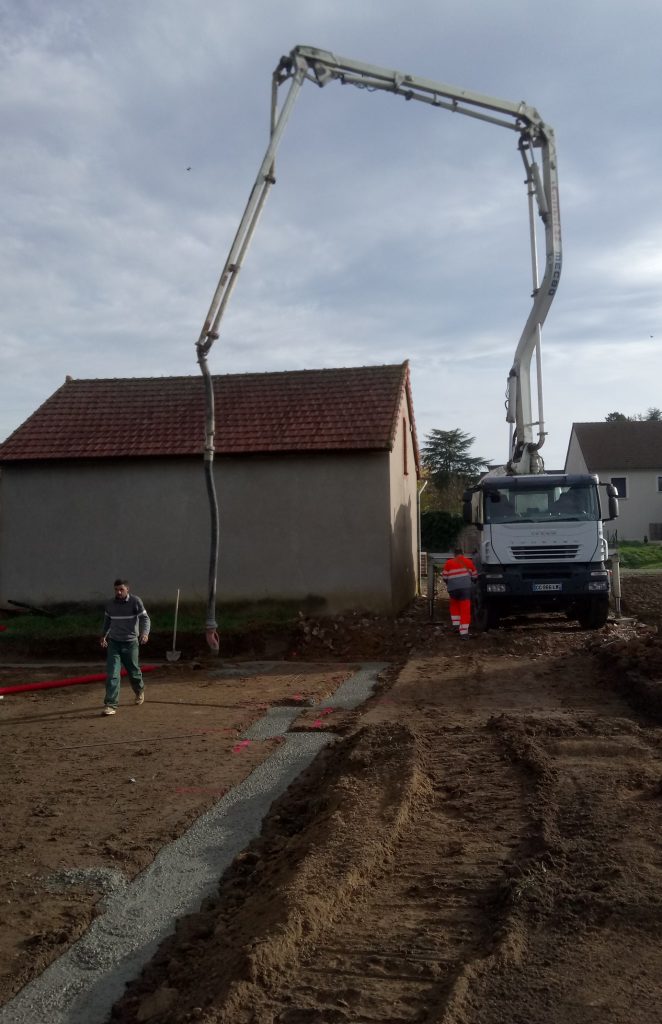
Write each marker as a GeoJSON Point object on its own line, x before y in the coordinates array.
{"type": "Point", "coordinates": [542, 504]}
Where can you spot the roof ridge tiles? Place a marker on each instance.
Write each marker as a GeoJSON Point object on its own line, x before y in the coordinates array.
{"type": "Point", "coordinates": [235, 376]}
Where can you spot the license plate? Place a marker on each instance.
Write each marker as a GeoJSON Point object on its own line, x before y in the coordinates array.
{"type": "Point", "coordinates": [546, 586]}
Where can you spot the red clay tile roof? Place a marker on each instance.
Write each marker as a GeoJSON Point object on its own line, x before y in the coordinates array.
{"type": "Point", "coordinates": [293, 411]}
{"type": "Point", "coordinates": [625, 444]}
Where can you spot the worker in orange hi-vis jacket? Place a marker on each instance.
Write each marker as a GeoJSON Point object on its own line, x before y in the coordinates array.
{"type": "Point", "coordinates": [459, 574]}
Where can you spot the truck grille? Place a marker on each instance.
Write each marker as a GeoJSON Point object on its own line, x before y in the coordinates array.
{"type": "Point", "coordinates": [550, 552]}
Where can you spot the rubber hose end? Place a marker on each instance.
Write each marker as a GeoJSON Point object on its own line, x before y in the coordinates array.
{"type": "Point", "coordinates": [213, 641]}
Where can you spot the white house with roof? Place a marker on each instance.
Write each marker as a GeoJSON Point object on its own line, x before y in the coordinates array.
{"type": "Point", "coordinates": [316, 473]}
{"type": "Point", "coordinates": [628, 454]}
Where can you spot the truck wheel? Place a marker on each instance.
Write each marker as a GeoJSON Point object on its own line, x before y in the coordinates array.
{"type": "Point", "coordinates": [484, 614]}
{"type": "Point", "coordinates": [592, 614]}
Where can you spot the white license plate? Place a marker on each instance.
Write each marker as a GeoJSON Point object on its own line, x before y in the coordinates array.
{"type": "Point", "coordinates": [546, 586]}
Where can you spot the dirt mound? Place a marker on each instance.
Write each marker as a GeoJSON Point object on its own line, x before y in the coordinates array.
{"type": "Point", "coordinates": [366, 637]}
{"type": "Point", "coordinates": [634, 668]}
{"type": "Point", "coordinates": [632, 661]}
{"type": "Point", "coordinates": [642, 596]}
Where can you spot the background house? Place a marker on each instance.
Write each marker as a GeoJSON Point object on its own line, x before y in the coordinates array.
{"type": "Point", "coordinates": [628, 454]}
{"type": "Point", "coordinates": [316, 473]}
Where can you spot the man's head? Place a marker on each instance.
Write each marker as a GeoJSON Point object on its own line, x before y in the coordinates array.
{"type": "Point", "coordinates": [458, 551]}
{"type": "Point", "coordinates": [121, 588]}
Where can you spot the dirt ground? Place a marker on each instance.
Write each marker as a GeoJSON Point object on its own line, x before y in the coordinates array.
{"type": "Point", "coordinates": [482, 842]}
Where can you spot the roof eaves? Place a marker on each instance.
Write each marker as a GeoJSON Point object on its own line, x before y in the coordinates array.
{"type": "Point", "coordinates": [412, 420]}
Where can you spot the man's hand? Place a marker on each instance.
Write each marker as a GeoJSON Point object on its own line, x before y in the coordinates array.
{"type": "Point", "coordinates": [143, 638]}
{"type": "Point", "coordinates": [103, 641]}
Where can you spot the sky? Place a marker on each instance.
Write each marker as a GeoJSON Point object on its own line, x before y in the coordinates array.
{"type": "Point", "coordinates": [133, 132]}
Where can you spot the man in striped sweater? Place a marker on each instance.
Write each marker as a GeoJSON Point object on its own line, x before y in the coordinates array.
{"type": "Point", "coordinates": [459, 574]}
{"type": "Point", "coordinates": [125, 625]}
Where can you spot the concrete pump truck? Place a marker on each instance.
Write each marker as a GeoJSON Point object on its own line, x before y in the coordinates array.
{"type": "Point", "coordinates": [541, 543]}
{"type": "Point", "coordinates": [533, 553]}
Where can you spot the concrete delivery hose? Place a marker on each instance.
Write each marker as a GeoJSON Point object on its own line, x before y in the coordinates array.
{"type": "Point", "coordinates": [211, 627]}
{"type": "Point", "coordinates": [53, 684]}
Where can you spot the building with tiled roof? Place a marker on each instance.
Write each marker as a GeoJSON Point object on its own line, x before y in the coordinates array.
{"type": "Point", "coordinates": [316, 472]}
{"type": "Point", "coordinates": [627, 453]}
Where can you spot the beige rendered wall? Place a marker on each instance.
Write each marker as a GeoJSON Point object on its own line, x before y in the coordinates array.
{"type": "Point", "coordinates": [404, 523]}
{"type": "Point", "coordinates": [291, 527]}
{"type": "Point", "coordinates": [642, 506]}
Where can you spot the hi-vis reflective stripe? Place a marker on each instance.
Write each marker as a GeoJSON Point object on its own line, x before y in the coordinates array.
{"type": "Point", "coordinates": [118, 617]}
{"type": "Point", "coordinates": [458, 568]}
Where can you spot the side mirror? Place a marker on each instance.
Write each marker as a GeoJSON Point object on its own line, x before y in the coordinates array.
{"type": "Point", "coordinates": [612, 495]}
{"type": "Point", "coordinates": [466, 507]}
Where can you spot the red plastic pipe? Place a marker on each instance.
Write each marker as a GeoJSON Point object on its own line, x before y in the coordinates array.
{"type": "Point", "coordinates": [52, 684]}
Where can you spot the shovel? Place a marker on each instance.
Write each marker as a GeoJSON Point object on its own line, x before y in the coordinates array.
{"type": "Point", "coordinates": [173, 655]}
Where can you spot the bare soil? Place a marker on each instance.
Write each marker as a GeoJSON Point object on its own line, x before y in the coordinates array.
{"type": "Point", "coordinates": [482, 842]}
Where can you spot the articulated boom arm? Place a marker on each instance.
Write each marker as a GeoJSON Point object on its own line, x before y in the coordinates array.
{"type": "Point", "coordinates": [320, 67]}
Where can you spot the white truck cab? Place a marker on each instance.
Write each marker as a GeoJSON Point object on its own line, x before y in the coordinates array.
{"type": "Point", "coordinates": [542, 546]}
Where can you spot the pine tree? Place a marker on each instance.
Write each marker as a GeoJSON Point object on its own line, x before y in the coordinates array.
{"type": "Point", "coordinates": [450, 467]}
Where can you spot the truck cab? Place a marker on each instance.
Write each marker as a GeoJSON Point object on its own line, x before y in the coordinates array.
{"type": "Point", "coordinates": [542, 546]}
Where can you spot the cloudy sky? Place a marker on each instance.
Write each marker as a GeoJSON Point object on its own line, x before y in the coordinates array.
{"type": "Point", "coordinates": [394, 231]}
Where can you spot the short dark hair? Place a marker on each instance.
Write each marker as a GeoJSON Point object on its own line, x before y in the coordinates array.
{"type": "Point", "coordinates": [121, 583]}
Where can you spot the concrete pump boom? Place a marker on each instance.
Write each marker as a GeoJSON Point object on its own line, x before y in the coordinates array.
{"type": "Point", "coordinates": [321, 67]}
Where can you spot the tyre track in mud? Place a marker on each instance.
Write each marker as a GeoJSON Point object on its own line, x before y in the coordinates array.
{"type": "Point", "coordinates": [485, 849]}
{"type": "Point", "coordinates": [586, 910]}
{"type": "Point", "coordinates": [398, 948]}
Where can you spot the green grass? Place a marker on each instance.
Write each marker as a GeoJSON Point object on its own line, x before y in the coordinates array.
{"type": "Point", "coordinates": [67, 622]}
{"type": "Point", "coordinates": [635, 554]}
